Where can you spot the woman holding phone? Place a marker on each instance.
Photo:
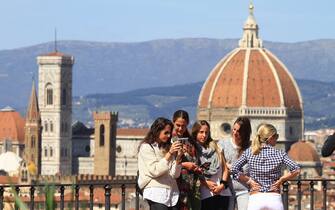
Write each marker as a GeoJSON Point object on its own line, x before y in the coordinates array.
{"type": "Point", "coordinates": [187, 180]}
{"type": "Point", "coordinates": [159, 166]}
{"type": "Point", "coordinates": [214, 191]}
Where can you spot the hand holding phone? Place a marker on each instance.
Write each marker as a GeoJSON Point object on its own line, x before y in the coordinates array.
{"type": "Point", "coordinates": [205, 165]}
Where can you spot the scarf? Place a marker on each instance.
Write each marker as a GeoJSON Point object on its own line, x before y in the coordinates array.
{"type": "Point", "coordinates": [208, 155]}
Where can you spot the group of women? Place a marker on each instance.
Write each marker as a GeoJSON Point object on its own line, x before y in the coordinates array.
{"type": "Point", "coordinates": [182, 170]}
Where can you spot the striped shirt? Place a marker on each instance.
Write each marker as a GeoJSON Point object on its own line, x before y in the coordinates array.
{"type": "Point", "coordinates": [264, 168]}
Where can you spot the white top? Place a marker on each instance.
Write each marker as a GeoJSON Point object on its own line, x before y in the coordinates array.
{"type": "Point", "coordinates": [206, 193]}
{"type": "Point", "coordinates": [161, 195]}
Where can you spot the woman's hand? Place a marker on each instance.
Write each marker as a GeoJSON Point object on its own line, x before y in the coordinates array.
{"type": "Point", "coordinates": [254, 186]}
{"type": "Point", "coordinates": [217, 190]}
{"type": "Point", "coordinates": [175, 147]}
{"type": "Point", "coordinates": [275, 187]}
{"type": "Point", "coordinates": [211, 185]}
{"type": "Point", "coordinates": [189, 166]}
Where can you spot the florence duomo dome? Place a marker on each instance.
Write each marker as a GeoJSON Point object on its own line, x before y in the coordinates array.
{"type": "Point", "coordinates": [251, 81]}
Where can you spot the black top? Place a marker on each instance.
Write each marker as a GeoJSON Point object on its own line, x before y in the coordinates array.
{"type": "Point", "coordinates": [329, 146]}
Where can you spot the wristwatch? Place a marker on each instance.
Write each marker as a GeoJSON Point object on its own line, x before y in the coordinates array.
{"type": "Point", "coordinates": [225, 183]}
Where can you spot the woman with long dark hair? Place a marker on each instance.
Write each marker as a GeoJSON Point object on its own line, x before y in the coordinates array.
{"type": "Point", "coordinates": [233, 149]}
{"type": "Point", "coordinates": [214, 191]}
{"type": "Point", "coordinates": [159, 166]}
{"type": "Point", "coordinates": [187, 180]}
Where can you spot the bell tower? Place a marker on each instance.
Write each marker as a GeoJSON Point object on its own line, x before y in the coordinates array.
{"type": "Point", "coordinates": [105, 142]}
{"type": "Point", "coordinates": [33, 130]}
{"type": "Point", "coordinates": [55, 102]}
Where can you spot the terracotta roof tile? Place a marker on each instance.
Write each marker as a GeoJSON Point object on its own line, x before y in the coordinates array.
{"type": "Point", "coordinates": [140, 132]}
{"type": "Point", "coordinates": [11, 126]}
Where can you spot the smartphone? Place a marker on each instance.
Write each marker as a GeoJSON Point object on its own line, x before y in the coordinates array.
{"type": "Point", "coordinates": [205, 165]}
{"type": "Point", "coordinates": [181, 140]}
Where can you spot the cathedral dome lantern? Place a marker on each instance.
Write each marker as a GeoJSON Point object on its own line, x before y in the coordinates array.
{"type": "Point", "coordinates": [251, 81]}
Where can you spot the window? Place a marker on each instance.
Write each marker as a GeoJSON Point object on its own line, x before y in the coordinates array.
{"type": "Point", "coordinates": [225, 128]}
{"type": "Point", "coordinates": [51, 127]}
{"type": "Point", "coordinates": [291, 130]}
{"type": "Point", "coordinates": [49, 96]}
{"type": "Point", "coordinates": [64, 97]}
{"type": "Point", "coordinates": [45, 152]}
{"type": "Point", "coordinates": [102, 135]}
{"type": "Point", "coordinates": [51, 152]}
{"type": "Point", "coordinates": [32, 143]}
{"type": "Point", "coordinates": [46, 126]}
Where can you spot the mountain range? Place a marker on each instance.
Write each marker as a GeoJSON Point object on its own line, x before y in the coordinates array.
{"type": "Point", "coordinates": [140, 107]}
{"type": "Point", "coordinates": [121, 68]}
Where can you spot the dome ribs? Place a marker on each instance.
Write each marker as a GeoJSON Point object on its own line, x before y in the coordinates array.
{"type": "Point", "coordinates": [292, 98]}
{"type": "Point", "coordinates": [262, 90]}
{"type": "Point", "coordinates": [227, 91]}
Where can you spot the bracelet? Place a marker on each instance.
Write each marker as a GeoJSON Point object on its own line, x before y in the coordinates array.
{"type": "Point", "coordinates": [225, 183]}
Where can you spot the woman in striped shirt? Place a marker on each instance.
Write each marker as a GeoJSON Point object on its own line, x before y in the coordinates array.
{"type": "Point", "coordinates": [265, 163]}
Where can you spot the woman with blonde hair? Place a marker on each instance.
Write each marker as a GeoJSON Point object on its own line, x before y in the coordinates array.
{"type": "Point", "coordinates": [214, 191]}
{"type": "Point", "coordinates": [265, 175]}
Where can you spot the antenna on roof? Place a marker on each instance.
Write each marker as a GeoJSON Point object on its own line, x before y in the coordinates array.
{"type": "Point", "coordinates": [55, 39]}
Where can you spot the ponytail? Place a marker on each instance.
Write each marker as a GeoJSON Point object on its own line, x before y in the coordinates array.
{"type": "Point", "coordinates": [265, 131]}
{"type": "Point", "coordinates": [256, 145]}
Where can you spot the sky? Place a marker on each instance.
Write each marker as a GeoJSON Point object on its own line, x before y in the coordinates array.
{"type": "Point", "coordinates": [29, 22]}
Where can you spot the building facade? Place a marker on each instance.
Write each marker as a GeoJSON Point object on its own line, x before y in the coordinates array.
{"type": "Point", "coordinates": [55, 103]}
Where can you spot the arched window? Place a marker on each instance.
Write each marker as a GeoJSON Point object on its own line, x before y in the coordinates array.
{"type": "Point", "coordinates": [32, 143]}
{"type": "Point", "coordinates": [49, 94]}
{"type": "Point", "coordinates": [45, 152]}
{"type": "Point", "coordinates": [51, 152]}
{"type": "Point", "coordinates": [46, 126]}
{"type": "Point", "coordinates": [51, 126]}
{"type": "Point", "coordinates": [102, 135]}
{"type": "Point", "coordinates": [64, 96]}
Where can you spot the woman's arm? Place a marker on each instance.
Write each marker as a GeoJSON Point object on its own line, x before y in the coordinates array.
{"type": "Point", "coordinates": [176, 166]}
{"type": "Point", "coordinates": [276, 186]}
{"type": "Point", "coordinates": [155, 165]}
{"type": "Point", "coordinates": [294, 171]}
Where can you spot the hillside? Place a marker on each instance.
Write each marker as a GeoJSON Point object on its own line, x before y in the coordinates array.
{"type": "Point", "coordinates": [118, 67]}
{"type": "Point", "coordinates": [140, 107]}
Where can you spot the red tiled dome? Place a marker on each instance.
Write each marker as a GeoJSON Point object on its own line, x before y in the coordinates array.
{"type": "Point", "coordinates": [11, 125]}
{"type": "Point", "coordinates": [252, 77]}
{"type": "Point", "coordinates": [303, 151]}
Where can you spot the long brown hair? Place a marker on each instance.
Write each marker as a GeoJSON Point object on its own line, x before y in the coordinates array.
{"type": "Point", "coordinates": [183, 115]}
{"type": "Point", "coordinates": [245, 132]}
{"type": "Point", "coordinates": [209, 142]}
{"type": "Point", "coordinates": [153, 135]}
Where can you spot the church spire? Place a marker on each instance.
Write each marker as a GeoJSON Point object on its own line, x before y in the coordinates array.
{"type": "Point", "coordinates": [250, 31]}
{"type": "Point", "coordinates": [33, 112]}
